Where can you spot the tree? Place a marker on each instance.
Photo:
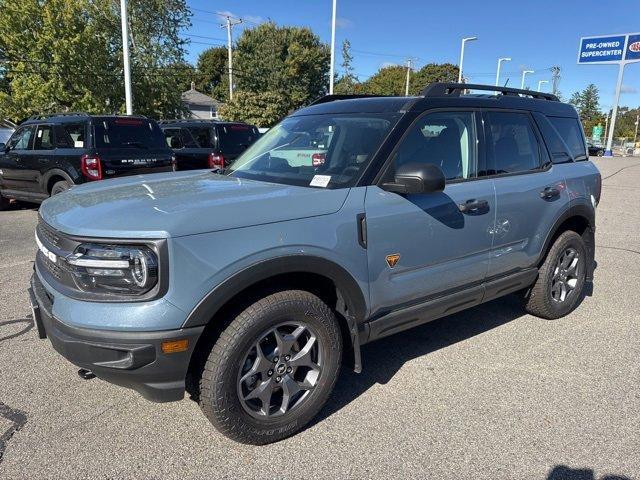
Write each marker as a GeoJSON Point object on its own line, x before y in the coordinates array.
{"type": "Point", "coordinates": [256, 108]}
{"type": "Point", "coordinates": [211, 76]}
{"type": "Point", "coordinates": [389, 80]}
{"type": "Point", "coordinates": [430, 73]}
{"type": "Point", "coordinates": [587, 102]}
{"type": "Point", "coordinates": [291, 62]}
{"type": "Point", "coordinates": [63, 55]}
{"type": "Point", "coordinates": [348, 82]}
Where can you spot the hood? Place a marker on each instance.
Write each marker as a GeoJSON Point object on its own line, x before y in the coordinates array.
{"type": "Point", "coordinates": [184, 203]}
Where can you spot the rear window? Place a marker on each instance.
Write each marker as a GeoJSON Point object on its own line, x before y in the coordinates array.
{"type": "Point", "coordinates": [235, 138]}
{"type": "Point", "coordinates": [570, 131]}
{"type": "Point", "coordinates": [135, 133]}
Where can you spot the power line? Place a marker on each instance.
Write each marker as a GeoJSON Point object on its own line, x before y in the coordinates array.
{"type": "Point", "coordinates": [224, 15]}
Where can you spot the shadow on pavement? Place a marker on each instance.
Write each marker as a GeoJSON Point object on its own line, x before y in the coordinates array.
{"type": "Point", "coordinates": [382, 359]}
{"type": "Point", "coordinates": [562, 472]}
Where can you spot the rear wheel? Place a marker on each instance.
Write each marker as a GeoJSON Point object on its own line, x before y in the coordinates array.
{"type": "Point", "coordinates": [272, 369]}
{"type": "Point", "coordinates": [561, 278]}
{"type": "Point", "coordinates": [60, 187]}
{"type": "Point", "coordinates": [600, 153]}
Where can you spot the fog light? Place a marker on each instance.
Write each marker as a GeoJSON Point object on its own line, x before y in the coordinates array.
{"type": "Point", "coordinates": [175, 346]}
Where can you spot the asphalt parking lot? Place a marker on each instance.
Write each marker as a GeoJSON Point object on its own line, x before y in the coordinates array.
{"type": "Point", "coordinates": [488, 393]}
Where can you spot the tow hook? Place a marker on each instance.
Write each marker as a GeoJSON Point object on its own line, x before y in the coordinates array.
{"type": "Point", "coordinates": [86, 374]}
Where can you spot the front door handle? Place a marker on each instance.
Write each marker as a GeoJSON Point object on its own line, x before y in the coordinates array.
{"type": "Point", "coordinates": [474, 206]}
{"type": "Point", "coordinates": [43, 160]}
{"type": "Point", "coordinates": [549, 193]}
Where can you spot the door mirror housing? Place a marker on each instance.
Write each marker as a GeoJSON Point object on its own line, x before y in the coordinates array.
{"type": "Point", "coordinates": [415, 177]}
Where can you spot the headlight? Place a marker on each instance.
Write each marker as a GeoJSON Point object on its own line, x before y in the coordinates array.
{"type": "Point", "coordinates": [116, 269]}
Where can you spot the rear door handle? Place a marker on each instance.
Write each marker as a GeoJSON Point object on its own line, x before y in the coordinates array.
{"type": "Point", "coordinates": [474, 206]}
{"type": "Point", "coordinates": [549, 192]}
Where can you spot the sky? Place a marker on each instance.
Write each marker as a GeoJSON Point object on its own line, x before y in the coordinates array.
{"type": "Point", "coordinates": [535, 34]}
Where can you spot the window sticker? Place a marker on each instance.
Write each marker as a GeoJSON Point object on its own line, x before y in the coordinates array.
{"type": "Point", "coordinates": [320, 181]}
{"type": "Point", "coordinates": [78, 144]}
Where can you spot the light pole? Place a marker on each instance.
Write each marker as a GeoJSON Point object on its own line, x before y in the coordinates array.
{"type": "Point", "coordinates": [540, 82]}
{"type": "Point", "coordinates": [406, 87]}
{"type": "Point", "coordinates": [524, 73]}
{"type": "Point", "coordinates": [125, 56]}
{"type": "Point", "coordinates": [333, 47]}
{"type": "Point", "coordinates": [635, 135]}
{"type": "Point", "coordinates": [228, 25]}
{"type": "Point", "coordinates": [500, 60]}
{"type": "Point", "coordinates": [464, 40]}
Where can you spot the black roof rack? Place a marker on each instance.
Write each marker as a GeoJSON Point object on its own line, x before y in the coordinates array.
{"type": "Point", "coordinates": [332, 98]}
{"type": "Point", "coordinates": [201, 120]}
{"type": "Point", "coordinates": [42, 116]}
{"type": "Point", "coordinates": [442, 89]}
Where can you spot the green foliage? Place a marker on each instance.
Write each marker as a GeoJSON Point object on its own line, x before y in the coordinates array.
{"type": "Point", "coordinates": [348, 82]}
{"type": "Point", "coordinates": [392, 80]}
{"type": "Point", "coordinates": [287, 64]}
{"type": "Point", "coordinates": [262, 109]}
{"type": "Point", "coordinates": [211, 77]}
{"type": "Point", "coordinates": [62, 55]}
{"type": "Point", "coordinates": [587, 103]}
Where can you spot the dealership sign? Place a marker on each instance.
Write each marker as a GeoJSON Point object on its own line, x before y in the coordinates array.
{"type": "Point", "coordinates": [610, 49]}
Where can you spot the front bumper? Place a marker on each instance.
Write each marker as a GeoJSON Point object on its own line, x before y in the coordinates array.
{"type": "Point", "coordinates": [130, 359]}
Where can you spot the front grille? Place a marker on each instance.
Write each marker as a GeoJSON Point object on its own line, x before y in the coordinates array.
{"type": "Point", "coordinates": [53, 268]}
{"type": "Point", "coordinates": [47, 233]}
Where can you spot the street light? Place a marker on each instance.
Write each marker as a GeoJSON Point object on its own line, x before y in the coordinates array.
{"type": "Point", "coordinates": [464, 40]}
{"type": "Point", "coordinates": [524, 73]}
{"type": "Point", "coordinates": [333, 47]}
{"type": "Point", "coordinates": [540, 82]}
{"type": "Point", "coordinates": [125, 56]}
{"type": "Point", "coordinates": [500, 60]}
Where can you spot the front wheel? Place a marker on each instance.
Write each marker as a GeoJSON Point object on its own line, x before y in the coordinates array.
{"type": "Point", "coordinates": [272, 369]}
{"type": "Point", "coordinates": [561, 278]}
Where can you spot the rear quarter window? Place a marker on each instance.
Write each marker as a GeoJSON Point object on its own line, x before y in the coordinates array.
{"type": "Point", "coordinates": [570, 131]}
{"type": "Point", "coordinates": [235, 138]}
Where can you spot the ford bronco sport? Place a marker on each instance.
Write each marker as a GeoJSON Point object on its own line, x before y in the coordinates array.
{"type": "Point", "coordinates": [48, 154]}
{"type": "Point", "coordinates": [245, 288]}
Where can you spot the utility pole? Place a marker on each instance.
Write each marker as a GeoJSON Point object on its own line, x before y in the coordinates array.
{"type": "Point", "coordinates": [228, 25]}
{"type": "Point", "coordinates": [500, 60]}
{"type": "Point", "coordinates": [635, 135]}
{"type": "Point", "coordinates": [125, 56]}
{"type": "Point", "coordinates": [464, 40]}
{"type": "Point", "coordinates": [540, 82]}
{"type": "Point", "coordinates": [606, 124]}
{"type": "Point", "coordinates": [406, 87]}
{"type": "Point", "coordinates": [333, 47]}
{"type": "Point", "coordinates": [524, 73]}
{"type": "Point", "coordinates": [555, 79]}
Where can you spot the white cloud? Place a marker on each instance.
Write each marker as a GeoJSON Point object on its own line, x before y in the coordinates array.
{"type": "Point", "coordinates": [342, 22]}
{"type": "Point", "coordinates": [628, 89]}
{"type": "Point", "coordinates": [388, 64]}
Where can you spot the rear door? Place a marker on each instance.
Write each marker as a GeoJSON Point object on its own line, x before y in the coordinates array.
{"type": "Point", "coordinates": [42, 158]}
{"type": "Point", "coordinates": [128, 146]}
{"type": "Point", "coordinates": [530, 190]}
{"type": "Point", "coordinates": [15, 174]}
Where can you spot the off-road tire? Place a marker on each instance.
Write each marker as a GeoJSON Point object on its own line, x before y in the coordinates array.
{"type": "Point", "coordinates": [218, 393]}
{"type": "Point", "coordinates": [539, 300]}
{"type": "Point", "coordinates": [60, 187]}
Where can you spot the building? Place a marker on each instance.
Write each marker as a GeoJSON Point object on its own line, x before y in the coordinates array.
{"type": "Point", "coordinates": [199, 104]}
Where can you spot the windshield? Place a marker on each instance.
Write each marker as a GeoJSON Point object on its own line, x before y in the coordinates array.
{"type": "Point", "coordinates": [327, 151]}
{"type": "Point", "coordinates": [135, 133]}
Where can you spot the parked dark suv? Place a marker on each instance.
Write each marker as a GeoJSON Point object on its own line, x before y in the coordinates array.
{"type": "Point", "coordinates": [48, 154]}
{"type": "Point", "coordinates": [246, 288]}
{"type": "Point", "coordinates": [207, 143]}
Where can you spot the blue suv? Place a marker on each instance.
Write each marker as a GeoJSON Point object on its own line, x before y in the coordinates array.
{"type": "Point", "coordinates": [353, 219]}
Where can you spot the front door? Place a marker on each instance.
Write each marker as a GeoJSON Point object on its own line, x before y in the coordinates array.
{"type": "Point", "coordinates": [15, 174]}
{"type": "Point", "coordinates": [426, 246]}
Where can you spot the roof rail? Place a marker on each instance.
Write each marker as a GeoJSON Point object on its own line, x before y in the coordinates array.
{"type": "Point", "coordinates": [441, 89]}
{"type": "Point", "coordinates": [42, 116]}
{"type": "Point", "coordinates": [333, 98]}
{"type": "Point", "coordinates": [178, 120]}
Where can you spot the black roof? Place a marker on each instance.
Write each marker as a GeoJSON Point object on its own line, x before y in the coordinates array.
{"type": "Point", "coordinates": [442, 95]}
{"type": "Point", "coordinates": [199, 121]}
{"type": "Point", "coordinates": [74, 117]}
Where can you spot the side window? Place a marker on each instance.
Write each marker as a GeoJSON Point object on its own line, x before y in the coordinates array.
{"type": "Point", "coordinates": [513, 142]}
{"type": "Point", "coordinates": [44, 138]}
{"type": "Point", "coordinates": [445, 139]}
{"type": "Point", "coordinates": [187, 138]}
{"type": "Point", "coordinates": [70, 135]}
{"type": "Point", "coordinates": [173, 138]}
{"type": "Point", "coordinates": [21, 139]}
{"type": "Point", "coordinates": [570, 131]}
{"type": "Point", "coordinates": [203, 136]}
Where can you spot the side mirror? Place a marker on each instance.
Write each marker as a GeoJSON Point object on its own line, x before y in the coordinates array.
{"type": "Point", "coordinates": [415, 177]}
